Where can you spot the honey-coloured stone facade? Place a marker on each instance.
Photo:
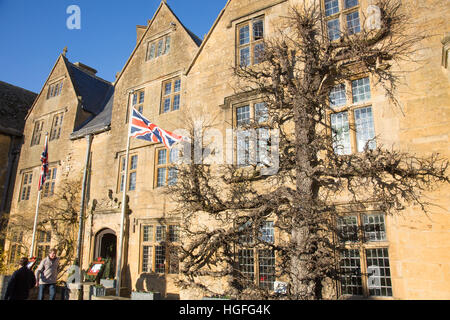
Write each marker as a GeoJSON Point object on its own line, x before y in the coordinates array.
{"type": "Point", "coordinates": [418, 244]}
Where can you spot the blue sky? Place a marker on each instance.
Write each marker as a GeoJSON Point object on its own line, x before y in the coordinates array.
{"type": "Point", "coordinates": [33, 33]}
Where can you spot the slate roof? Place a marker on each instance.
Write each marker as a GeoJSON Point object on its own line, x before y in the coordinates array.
{"type": "Point", "coordinates": [92, 89]}
{"type": "Point", "coordinates": [100, 122]}
{"type": "Point", "coordinates": [14, 105]}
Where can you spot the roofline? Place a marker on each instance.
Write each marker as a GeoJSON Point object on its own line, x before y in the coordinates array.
{"type": "Point", "coordinates": [207, 38]}
{"type": "Point", "coordinates": [42, 89]}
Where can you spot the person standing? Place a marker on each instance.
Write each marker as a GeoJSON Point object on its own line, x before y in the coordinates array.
{"type": "Point", "coordinates": [20, 283]}
{"type": "Point", "coordinates": [46, 275]}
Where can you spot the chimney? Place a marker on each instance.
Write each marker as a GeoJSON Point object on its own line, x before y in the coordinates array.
{"type": "Point", "coordinates": [139, 32]}
{"type": "Point", "coordinates": [86, 68]}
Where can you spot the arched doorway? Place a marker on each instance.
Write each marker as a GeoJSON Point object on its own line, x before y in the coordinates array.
{"type": "Point", "coordinates": [106, 245]}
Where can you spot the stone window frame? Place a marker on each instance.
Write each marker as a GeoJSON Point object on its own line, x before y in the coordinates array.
{"type": "Point", "coordinates": [25, 189]}
{"type": "Point", "coordinates": [37, 132]}
{"type": "Point", "coordinates": [251, 103]}
{"type": "Point", "coordinates": [341, 16]}
{"type": "Point", "coordinates": [351, 109]}
{"type": "Point", "coordinates": [152, 51]}
{"type": "Point", "coordinates": [43, 244]}
{"type": "Point", "coordinates": [172, 96]}
{"type": "Point", "coordinates": [138, 100]}
{"type": "Point", "coordinates": [253, 41]}
{"type": "Point", "coordinates": [48, 189]}
{"type": "Point", "coordinates": [250, 256]}
{"type": "Point", "coordinates": [169, 241]}
{"type": "Point", "coordinates": [55, 89]}
{"type": "Point", "coordinates": [356, 247]}
{"type": "Point", "coordinates": [15, 247]}
{"type": "Point", "coordinates": [57, 122]}
{"type": "Point", "coordinates": [133, 161]}
{"type": "Point", "coordinates": [170, 159]}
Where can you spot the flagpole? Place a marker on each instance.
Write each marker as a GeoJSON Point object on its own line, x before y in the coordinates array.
{"type": "Point", "coordinates": [43, 174]}
{"type": "Point", "coordinates": [35, 223]}
{"type": "Point", "coordinates": [124, 205]}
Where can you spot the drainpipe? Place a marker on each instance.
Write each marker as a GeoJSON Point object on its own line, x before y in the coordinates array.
{"type": "Point", "coordinates": [83, 200]}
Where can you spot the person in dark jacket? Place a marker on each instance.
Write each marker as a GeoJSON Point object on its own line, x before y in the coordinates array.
{"type": "Point", "coordinates": [21, 282]}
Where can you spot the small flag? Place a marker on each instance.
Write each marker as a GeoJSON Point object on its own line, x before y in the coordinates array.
{"type": "Point", "coordinates": [44, 167]}
{"type": "Point", "coordinates": [142, 128]}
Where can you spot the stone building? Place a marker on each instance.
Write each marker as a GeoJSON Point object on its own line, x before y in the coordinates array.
{"type": "Point", "coordinates": [14, 105]}
{"type": "Point", "coordinates": [172, 74]}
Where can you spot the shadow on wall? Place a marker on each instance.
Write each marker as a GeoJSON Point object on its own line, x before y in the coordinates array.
{"type": "Point", "coordinates": [155, 283]}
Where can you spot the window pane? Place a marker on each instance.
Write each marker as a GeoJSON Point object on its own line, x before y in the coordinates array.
{"type": "Point", "coordinates": [160, 259]}
{"type": "Point", "coordinates": [160, 233]}
{"type": "Point", "coordinates": [160, 47]}
{"type": "Point", "coordinates": [148, 233]}
{"type": "Point", "coordinates": [334, 29]}
{"type": "Point", "coordinates": [243, 149]}
{"type": "Point", "coordinates": [331, 7]}
{"type": "Point", "coordinates": [261, 112]}
{"type": "Point", "coordinates": [266, 269]}
{"type": "Point", "coordinates": [173, 176]}
{"type": "Point", "coordinates": [167, 48]}
{"type": "Point", "coordinates": [258, 54]}
{"type": "Point", "coordinates": [353, 23]}
{"type": "Point", "coordinates": [374, 227]}
{"type": "Point", "coordinates": [135, 99]}
{"type": "Point", "coordinates": [244, 55]}
{"type": "Point", "coordinates": [134, 162]}
{"type": "Point", "coordinates": [176, 102]}
{"type": "Point", "coordinates": [347, 228]}
{"type": "Point", "coordinates": [350, 269]}
{"type": "Point", "coordinates": [162, 156]}
{"type": "Point", "coordinates": [379, 279]}
{"type": "Point", "coordinates": [351, 3]}
{"type": "Point", "coordinates": [341, 133]}
{"type": "Point", "coordinates": [365, 131]}
{"type": "Point", "coordinates": [141, 96]}
{"type": "Point", "coordinates": [122, 180]}
{"type": "Point", "coordinates": [247, 233]}
{"type": "Point", "coordinates": [243, 115]}
{"type": "Point", "coordinates": [337, 96]}
{"type": "Point", "coordinates": [168, 88]}
{"type": "Point", "coordinates": [177, 85]}
{"type": "Point", "coordinates": [174, 233]}
{"type": "Point", "coordinates": [152, 50]}
{"type": "Point", "coordinates": [166, 105]}
{"type": "Point", "coordinates": [244, 35]}
{"type": "Point", "coordinates": [161, 178]}
{"type": "Point", "coordinates": [173, 155]}
{"type": "Point", "coordinates": [246, 262]}
{"type": "Point", "coordinates": [147, 259]}
{"type": "Point", "coordinates": [267, 232]}
{"type": "Point", "coordinates": [132, 181]}
{"type": "Point", "coordinates": [258, 29]}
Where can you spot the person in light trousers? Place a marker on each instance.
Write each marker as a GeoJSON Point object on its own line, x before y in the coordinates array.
{"type": "Point", "coordinates": [46, 275]}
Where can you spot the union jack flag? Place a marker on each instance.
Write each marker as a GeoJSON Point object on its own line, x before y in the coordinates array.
{"type": "Point", "coordinates": [44, 167]}
{"type": "Point", "coordinates": [142, 128]}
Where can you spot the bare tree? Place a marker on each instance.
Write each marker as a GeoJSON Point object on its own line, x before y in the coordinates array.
{"type": "Point", "coordinates": [301, 66]}
{"type": "Point", "coordinates": [58, 214]}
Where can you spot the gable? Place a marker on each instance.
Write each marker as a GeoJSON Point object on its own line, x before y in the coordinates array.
{"type": "Point", "coordinates": [163, 22]}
